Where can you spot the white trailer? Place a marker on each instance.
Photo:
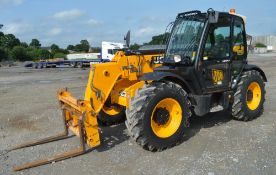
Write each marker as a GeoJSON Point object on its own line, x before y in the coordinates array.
{"type": "Point", "coordinates": [83, 56]}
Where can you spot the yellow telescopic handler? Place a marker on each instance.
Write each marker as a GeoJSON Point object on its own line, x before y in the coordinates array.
{"type": "Point", "coordinates": [204, 69]}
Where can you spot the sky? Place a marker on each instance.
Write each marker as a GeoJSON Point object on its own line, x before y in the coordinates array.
{"type": "Point", "coordinates": [65, 22]}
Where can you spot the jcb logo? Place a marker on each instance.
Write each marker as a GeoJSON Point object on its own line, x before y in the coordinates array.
{"type": "Point", "coordinates": [218, 76]}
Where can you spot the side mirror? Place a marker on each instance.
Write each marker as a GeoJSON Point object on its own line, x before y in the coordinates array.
{"type": "Point", "coordinates": [249, 39]}
{"type": "Point", "coordinates": [127, 39]}
{"type": "Point", "coordinates": [212, 15]}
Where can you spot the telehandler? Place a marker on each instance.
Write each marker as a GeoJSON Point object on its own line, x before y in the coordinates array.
{"type": "Point", "coordinates": [204, 69]}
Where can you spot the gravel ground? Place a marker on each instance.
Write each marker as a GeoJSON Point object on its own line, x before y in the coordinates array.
{"type": "Point", "coordinates": [216, 145]}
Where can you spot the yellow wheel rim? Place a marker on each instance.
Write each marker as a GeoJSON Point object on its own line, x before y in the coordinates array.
{"type": "Point", "coordinates": [170, 125]}
{"type": "Point", "coordinates": [112, 111]}
{"type": "Point", "coordinates": [254, 96]}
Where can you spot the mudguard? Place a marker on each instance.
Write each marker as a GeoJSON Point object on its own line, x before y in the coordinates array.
{"type": "Point", "coordinates": [160, 75]}
{"type": "Point", "coordinates": [249, 67]}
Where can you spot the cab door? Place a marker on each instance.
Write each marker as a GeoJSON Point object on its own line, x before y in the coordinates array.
{"type": "Point", "coordinates": [239, 47]}
{"type": "Point", "coordinates": [214, 66]}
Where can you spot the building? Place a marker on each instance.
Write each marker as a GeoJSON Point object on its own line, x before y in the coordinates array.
{"type": "Point", "coordinates": [268, 40]}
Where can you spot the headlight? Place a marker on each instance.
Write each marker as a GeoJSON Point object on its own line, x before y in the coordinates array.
{"type": "Point", "coordinates": [177, 58]}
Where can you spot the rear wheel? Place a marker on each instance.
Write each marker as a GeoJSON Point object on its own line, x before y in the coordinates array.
{"type": "Point", "coordinates": [158, 116]}
{"type": "Point", "coordinates": [73, 64]}
{"type": "Point", "coordinates": [79, 65]}
{"type": "Point", "coordinates": [249, 97]}
{"type": "Point", "coordinates": [40, 66]}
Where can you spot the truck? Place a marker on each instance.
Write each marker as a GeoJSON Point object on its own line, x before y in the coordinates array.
{"type": "Point", "coordinates": [80, 60]}
{"type": "Point", "coordinates": [109, 49]}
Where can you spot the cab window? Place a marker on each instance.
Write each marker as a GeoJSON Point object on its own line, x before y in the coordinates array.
{"type": "Point", "coordinates": [238, 40]}
{"type": "Point", "coordinates": [110, 51]}
{"type": "Point", "coordinates": [217, 46]}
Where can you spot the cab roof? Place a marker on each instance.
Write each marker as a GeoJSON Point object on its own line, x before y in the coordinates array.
{"type": "Point", "coordinates": [204, 14]}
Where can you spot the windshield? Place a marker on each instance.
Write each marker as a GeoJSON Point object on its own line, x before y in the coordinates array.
{"type": "Point", "coordinates": [185, 39]}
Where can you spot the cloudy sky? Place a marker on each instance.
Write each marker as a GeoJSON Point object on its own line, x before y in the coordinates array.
{"type": "Point", "coordinates": [68, 21]}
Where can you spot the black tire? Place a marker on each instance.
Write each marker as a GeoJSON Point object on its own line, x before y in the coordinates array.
{"type": "Point", "coordinates": [79, 65]}
{"type": "Point", "coordinates": [139, 115]}
{"type": "Point", "coordinates": [73, 64]}
{"type": "Point", "coordinates": [240, 109]}
{"type": "Point", "coordinates": [40, 66]}
{"type": "Point", "coordinates": [105, 119]}
{"type": "Point", "coordinates": [34, 65]}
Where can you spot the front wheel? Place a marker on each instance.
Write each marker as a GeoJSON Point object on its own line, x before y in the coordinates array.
{"type": "Point", "coordinates": [249, 97]}
{"type": "Point", "coordinates": [111, 115]}
{"type": "Point", "coordinates": [158, 116]}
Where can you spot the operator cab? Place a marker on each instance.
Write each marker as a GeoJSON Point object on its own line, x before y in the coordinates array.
{"type": "Point", "coordinates": [211, 47]}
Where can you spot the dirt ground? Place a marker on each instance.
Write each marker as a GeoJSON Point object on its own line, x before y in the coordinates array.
{"type": "Point", "coordinates": [217, 144]}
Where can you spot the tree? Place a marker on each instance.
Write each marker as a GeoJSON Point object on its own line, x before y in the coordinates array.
{"type": "Point", "coordinates": [95, 49]}
{"type": "Point", "coordinates": [85, 42]}
{"type": "Point", "coordinates": [59, 55]}
{"type": "Point", "coordinates": [78, 48]}
{"type": "Point", "coordinates": [3, 54]}
{"type": "Point", "coordinates": [83, 46]}
{"type": "Point", "coordinates": [24, 44]}
{"type": "Point", "coordinates": [260, 45]}
{"type": "Point", "coordinates": [158, 39]}
{"type": "Point", "coordinates": [9, 41]}
{"type": "Point", "coordinates": [54, 48]}
{"type": "Point", "coordinates": [35, 43]}
{"type": "Point", "coordinates": [12, 48]}
{"type": "Point", "coordinates": [64, 51]}
{"type": "Point", "coordinates": [44, 54]}
{"type": "Point", "coordinates": [70, 47]}
{"type": "Point", "coordinates": [19, 53]}
{"type": "Point", "coordinates": [34, 53]}
{"type": "Point", "coordinates": [39, 54]}
{"type": "Point", "coordinates": [134, 46]}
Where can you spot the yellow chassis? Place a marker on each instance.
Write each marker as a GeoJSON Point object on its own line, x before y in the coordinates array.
{"type": "Point", "coordinates": [118, 79]}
